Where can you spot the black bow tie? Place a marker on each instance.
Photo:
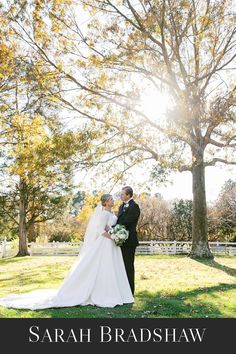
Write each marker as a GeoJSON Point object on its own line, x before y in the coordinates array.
{"type": "Point", "coordinates": [124, 205]}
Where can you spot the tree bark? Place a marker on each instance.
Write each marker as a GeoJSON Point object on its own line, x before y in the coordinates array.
{"type": "Point", "coordinates": [23, 247]}
{"type": "Point", "coordinates": [32, 233]}
{"type": "Point", "coordinates": [200, 247]}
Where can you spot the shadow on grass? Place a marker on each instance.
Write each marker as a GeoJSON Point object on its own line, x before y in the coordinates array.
{"type": "Point", "coordinates": [8, 260]}
{"type": "Point", "coordinates": [161, 256]}
{"type": "Point", "coordinates": [22, 280]}
{"type": "Point", "coordinates": [26, 279]}
{"type": "Point", "coordinates": [212, 263]}
{"type": "Point", "coordinates": [14, 259]}
{"type": "Point", "coordinates": [182, 304]}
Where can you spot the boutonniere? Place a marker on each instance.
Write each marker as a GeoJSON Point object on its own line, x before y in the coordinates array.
{"type": "Point", "coordinates": [126, 206]}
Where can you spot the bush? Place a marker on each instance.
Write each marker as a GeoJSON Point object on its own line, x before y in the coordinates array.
{"type": "Point", "coordinates": [60, 236]}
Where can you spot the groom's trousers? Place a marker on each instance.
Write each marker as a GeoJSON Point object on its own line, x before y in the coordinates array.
{"type": "Point", "coordinates": [128, 254]}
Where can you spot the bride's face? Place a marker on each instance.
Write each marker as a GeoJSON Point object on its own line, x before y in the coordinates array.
{"type": "Point", "coordinates": [110, 202]}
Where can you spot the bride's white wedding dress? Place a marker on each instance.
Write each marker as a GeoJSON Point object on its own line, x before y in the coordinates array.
{"type": "Point", "coordinates": [97, 277]}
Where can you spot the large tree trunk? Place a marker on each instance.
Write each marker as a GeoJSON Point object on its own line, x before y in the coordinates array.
{"type": "Point", "coordinates": [200, 246]}
{"type": "Point", "coordinates": [23, 248]}
{"type": "Point", "coordinates": [32, 233]}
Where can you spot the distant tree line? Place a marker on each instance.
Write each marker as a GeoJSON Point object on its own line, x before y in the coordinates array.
{"type": "Point", "coordinates": [160, 219]}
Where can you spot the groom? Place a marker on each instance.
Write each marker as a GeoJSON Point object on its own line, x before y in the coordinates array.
{"type": "Point", "coordinates": [128, 216]}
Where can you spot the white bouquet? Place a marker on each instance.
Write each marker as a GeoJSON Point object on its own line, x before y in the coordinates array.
{"type": "Point", "coordinates": [119, 234]}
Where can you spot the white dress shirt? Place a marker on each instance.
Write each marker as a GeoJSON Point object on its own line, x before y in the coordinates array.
{"type": "Point", "coordinates": [127, 202]}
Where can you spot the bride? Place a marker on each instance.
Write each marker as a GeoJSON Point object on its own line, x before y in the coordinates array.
{"type": "Point", "coordinates": [97, 277]}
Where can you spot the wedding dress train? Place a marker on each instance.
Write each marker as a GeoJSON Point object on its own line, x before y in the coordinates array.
{"type": "Point", "coordinates": [97, 277]}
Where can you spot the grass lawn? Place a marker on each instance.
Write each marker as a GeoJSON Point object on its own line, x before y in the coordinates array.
{"type": "Point", "coordinates": [166, 286]}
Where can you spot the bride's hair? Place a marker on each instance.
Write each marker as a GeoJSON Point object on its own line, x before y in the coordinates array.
{"type": "Point", "coordinates": [105, 198]}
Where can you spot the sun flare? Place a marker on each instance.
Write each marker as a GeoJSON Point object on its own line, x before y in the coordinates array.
{"type": "Point", "coordinates": [154, 104]}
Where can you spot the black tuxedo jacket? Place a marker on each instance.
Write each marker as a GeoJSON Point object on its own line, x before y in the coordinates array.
{"type": "Point", "coordinates": [129, 218]}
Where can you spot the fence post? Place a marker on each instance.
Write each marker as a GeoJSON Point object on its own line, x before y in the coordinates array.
{"type": "Point", "coordinates": [226, 248]}
{"type": "Point", "coordinates": [57, 246]}
{"type": "Point", "coordinates": [152, 247]}
{"type": "Point", "coordinates": [174, 246]}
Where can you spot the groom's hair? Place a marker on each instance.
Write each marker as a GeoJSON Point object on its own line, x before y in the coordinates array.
{"type": "Point", "coordinates": [128, 190]}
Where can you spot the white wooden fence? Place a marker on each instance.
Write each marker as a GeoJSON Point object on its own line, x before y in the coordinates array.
{"type": "Point", "coordinates": [8, 249]}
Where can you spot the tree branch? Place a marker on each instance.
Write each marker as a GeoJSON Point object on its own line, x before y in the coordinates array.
{"type": "Point", "coordinates": [219, 144]}
{"type": "Point", "coordinates": [185, 168]}
{"type": "Point", "coordinates": [216, 159]}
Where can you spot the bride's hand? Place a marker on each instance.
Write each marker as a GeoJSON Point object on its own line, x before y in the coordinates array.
{"type": "Point", "coordinates": [107, 228]}
{"type": "Point", "coordinates": [106, 234]}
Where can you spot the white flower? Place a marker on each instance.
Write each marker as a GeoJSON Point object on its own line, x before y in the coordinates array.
{"type": "Point", "coordinates": [119, 234]}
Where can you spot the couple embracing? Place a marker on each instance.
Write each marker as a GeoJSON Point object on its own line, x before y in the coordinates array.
{"type": "Point", "coordinates": [103, 273]}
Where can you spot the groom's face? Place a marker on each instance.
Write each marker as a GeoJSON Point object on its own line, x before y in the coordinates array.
{"type": "Point", "coordinates": [123, 196]}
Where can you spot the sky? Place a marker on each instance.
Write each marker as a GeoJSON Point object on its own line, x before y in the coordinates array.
{"type": "Point", "coordinates": [180, 186]}
{"type": "Point", "coordinates": [182, 183]}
